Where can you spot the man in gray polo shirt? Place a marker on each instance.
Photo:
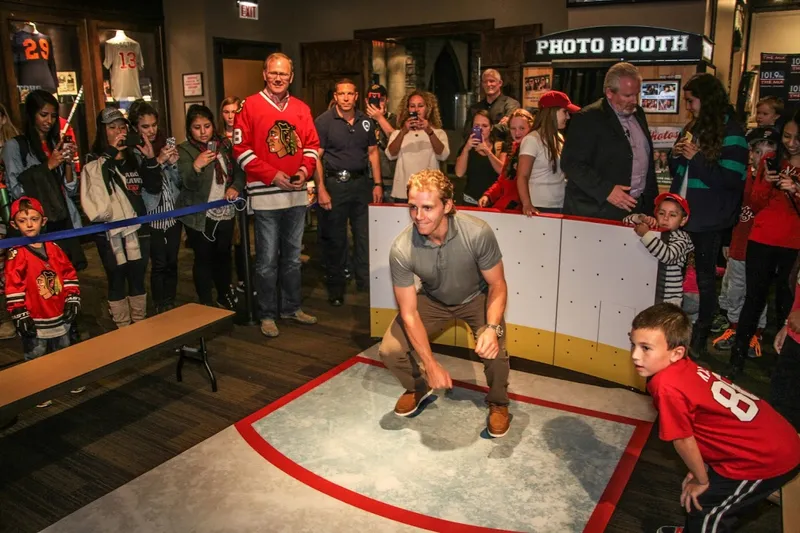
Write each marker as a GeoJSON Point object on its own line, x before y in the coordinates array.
{"type": "Point", "coordinates": [458, 260]}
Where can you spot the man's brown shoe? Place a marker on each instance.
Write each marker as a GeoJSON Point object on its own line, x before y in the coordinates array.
{"type": "Point", "coordinates": [499, 420]}
{"type": "Point", "coordinates": [409, 402]}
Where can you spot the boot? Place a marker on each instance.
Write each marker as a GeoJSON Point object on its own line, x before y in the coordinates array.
{"type": "Point", "coordinates": [7, 330]}
{"type": "Point", "coordinates": [120, 312]}
{"type": "Point", "coordinates": [735, 367]}
{"type": "Point", "coordinates": [138, 307]}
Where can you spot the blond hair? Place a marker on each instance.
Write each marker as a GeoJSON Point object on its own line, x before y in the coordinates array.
{"type": "Point", "coordinates": [521, 113]}
{"type": "Point", "coordinates": [276, 56]}
{"type": "Point", "coordinates": [493, 73]}
{"type": "Point", "coordinates": [7, 130]}
{"type": "Point", "coordinates": [431, 106]}
{"type": "Point", "coordinates": [433, 180]}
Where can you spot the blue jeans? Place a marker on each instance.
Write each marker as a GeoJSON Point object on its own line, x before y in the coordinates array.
{"type": "Point", "coordinates": [34, 347]}
{"type": "Point", "coordinates": [279, 234]}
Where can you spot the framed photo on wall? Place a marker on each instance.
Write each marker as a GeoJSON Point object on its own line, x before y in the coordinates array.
{"type": "Point", "coordinates": [193, 84]}
{"type": "Point", "coordinates": [660, 96]}
{"type": "Point", "coordinates": [535, 82]}
{"type": "Point", "coordinates": [187, 105]}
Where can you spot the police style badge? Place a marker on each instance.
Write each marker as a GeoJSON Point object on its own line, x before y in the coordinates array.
{"type": "Point", "coordinates": [366, 123]}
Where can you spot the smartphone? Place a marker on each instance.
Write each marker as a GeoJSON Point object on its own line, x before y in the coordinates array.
{"type": "Point", "coordinates": [413, 115]}
{"type": "Point", "coordinates": [133, 139]}
{"type": "Point", "coordinates": [477, 132]}
{"type": "Point", "coordinates": [374, 99]}
{"type": "Point", "coordinates": [297, 178]}
{"type": "Point", "coordinates": [772, 163]}
{"type": "Point", "coordinates": [171, 142]}
{"type": "Point", "coordinates": [68, 143]}
{"type": "Point", "coordinates": [688, 137]}
{"type": "Point", "coordinates": [212, 145]}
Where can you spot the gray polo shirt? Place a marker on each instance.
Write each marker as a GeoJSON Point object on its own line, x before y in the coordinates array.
{"type": "Point", "coordinates": [450, 273]}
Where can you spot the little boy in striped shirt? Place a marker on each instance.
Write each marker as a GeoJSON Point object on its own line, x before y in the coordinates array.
{"type": "Point", "coordinates": [671, 246]}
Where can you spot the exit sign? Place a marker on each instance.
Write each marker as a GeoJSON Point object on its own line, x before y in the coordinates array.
{"type": "Point", "coordinates": [248, 11]}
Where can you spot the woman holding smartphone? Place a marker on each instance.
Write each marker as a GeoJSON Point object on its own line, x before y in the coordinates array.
{"type": "Point", "coordinates": [477, 161]}
{"type": "Point", "coordinates": [165, 234]}
{"type": "Point", "coordinates": [112, 184]}
{"type": "Point", "coordinates": [209, 173]}
{"type": "Point", "coordinates": [39, 164]}
{"type": "Point", "coordinates": [709, 166]}
{"type": "Point", "coordinates": [774, 239]}
{"type": "Point", "coordinates": [420, 142]}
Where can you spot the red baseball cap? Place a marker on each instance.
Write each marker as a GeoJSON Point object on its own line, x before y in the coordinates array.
{"type": "Point", "coordinates": [35, 204]}
{"type": "Point", "coordinates": [557, 99]}
{"type": "Point", "coordinates": [680, 200]}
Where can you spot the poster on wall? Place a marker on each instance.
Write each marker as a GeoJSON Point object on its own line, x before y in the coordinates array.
{"type": "Point", "coordinates": [780, 76]}
{"type": "Point", "coordinates": [67, 83]}
{"type": "Point", "coordinates": [660, 96]}
{"type": "Point", "coordinates": [664, 138]}
{"type": "Point", "coordinates": [535, 82]}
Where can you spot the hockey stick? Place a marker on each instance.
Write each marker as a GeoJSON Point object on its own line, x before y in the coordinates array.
{"type": "Point", "coordinates": [72, 111]}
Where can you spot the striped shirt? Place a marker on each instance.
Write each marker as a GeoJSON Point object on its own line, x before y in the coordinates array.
{"type": "Point", "coordinates": [672, 249]}
{"type": "Point", "coordinates": [166, 204]}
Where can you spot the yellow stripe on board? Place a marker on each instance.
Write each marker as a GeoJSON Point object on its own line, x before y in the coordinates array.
{"type": "Point", "coordinates": [588, 357]}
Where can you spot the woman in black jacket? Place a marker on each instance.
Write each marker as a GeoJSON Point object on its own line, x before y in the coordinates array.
{"type": "Point", "coordinates": [111, 189]}
{"type": "Point", "coordinates": [709, 166]}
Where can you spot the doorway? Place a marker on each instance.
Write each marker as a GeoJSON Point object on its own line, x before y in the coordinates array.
{"type": "Point", "coordinates": [239, 66]}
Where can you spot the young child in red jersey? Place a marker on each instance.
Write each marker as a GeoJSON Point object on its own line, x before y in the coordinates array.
{"type": "Point", "coordinates": [42, 291]}
{"type": "Point", "coordinates": [737, 448]}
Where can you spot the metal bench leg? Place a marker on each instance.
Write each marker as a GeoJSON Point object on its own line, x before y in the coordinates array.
{"type": "Point", "coordinates": [202, 352]}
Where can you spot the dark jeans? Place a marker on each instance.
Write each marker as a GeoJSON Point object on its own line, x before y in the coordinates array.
{"type": "Point", "coordinates": [349, 202]}
{"type": "Point", "coordinates": [706, 247]}
{"type": "Point", "coordinates": [164, 248]}
{"type": "Point", "coordinates": [726, 499]}
{"type": "Point", "coordinates": [784, 394]}
{"type": "Point", "coordinates": [126, 279]}
{"type": "Point", "coordinates": [279, 240]}
{"type": "Point", "coordinates": [762, 262]}
{"type": "Point", "coordinates": [212, 259]}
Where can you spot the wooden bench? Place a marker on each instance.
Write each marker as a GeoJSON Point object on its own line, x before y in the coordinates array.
{"type": "Point", "coordinates": [32, 382]}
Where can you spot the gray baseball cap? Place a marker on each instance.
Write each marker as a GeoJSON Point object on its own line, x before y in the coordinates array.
{"type": "Point", "coordinates": [110, 114]}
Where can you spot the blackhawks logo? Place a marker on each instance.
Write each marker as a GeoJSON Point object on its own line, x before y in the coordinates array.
{"type": "Point", "coordinates": [283, 140]}
{"type": "Point", "coordinates": [48, 284]}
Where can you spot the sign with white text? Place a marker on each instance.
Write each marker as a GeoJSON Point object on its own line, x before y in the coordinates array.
{"type": "Point", "coordinates": [628, 43]}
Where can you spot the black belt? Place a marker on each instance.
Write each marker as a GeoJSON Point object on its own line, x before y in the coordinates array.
{"type": "Point", "coordinates": [343, 176]}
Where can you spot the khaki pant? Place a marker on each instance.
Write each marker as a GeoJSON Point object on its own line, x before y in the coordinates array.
{"type": "Point", "coordinates": [395, 347]}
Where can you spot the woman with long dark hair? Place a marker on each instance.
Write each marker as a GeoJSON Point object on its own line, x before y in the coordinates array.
{"type": "Point", "coordinates": [209, 173]}
{"type": "Point", "coordinates": [165, 235]}
{"type": "Point", "coordinates": [40, 165]}
{"type": "Point", "coordinates": [774, 239]}
{"type": "Point", "coordinates": [540, 180]}
{"type": "Point", "coordinates": [709, 166]}
{"type": "Point", "coordinates": [112, 183]}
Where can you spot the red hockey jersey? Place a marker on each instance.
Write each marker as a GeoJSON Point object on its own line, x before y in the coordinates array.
{"type": "Point", "coordinates": [40, 279]}
{"type": "Point", "coordinates": [739, 435]}
{"type": "Point", "coordinates": [267, 139]}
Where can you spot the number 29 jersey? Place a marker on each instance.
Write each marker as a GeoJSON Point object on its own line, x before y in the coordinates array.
{"type": "Point", "coordinates": [33, 57]}
{"type": "Point", "coordinates": [739, 435]}
{"type": "Point", "coordinates": [123, 59]}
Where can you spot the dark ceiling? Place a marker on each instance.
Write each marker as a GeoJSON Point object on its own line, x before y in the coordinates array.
{"type": "Point", "coordinates": [776, 5]}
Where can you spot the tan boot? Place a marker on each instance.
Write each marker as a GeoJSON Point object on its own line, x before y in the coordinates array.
{"type": "Point", "coordinates": [138, 307]}
{"type": "Point", "coordinates": [7, 330]}
{"type": "Point", "coordinates": [120, 312]}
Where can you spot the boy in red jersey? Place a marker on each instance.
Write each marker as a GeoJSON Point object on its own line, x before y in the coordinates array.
{"type": "Point", "coordinates": [737, 448]}
{"type": "Point", "coordinates": [42, 291]}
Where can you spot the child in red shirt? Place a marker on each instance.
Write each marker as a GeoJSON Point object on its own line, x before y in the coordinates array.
{"type": "Point", "coordinates": [737, 448]}
{"type": "Point", "coordinates": [503, 194]}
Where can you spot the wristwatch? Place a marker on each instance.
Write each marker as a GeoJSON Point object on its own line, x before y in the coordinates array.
{"type": "Point", "coordinates": [498, 329]}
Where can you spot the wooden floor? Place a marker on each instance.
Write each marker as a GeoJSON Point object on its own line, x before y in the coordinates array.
{"type": "Point", "coordinates": [56, 460]}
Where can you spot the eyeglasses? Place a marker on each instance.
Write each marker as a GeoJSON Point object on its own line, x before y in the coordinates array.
{"type": "Point", "coordinates": [281, 75]}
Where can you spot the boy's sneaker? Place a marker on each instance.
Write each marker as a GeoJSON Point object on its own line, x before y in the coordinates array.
{"type": "Point", "coordinates": [720, 323]}
{"type": "Point", "coordinates": [726, 340]}
{"type": "Point", "coordinates": [44, 404]}
{"type": "Point", "coordinates": [78, 390]}
{"type": "Point", "coordinates": [670, 529]}
{"type": "Point", "coordinates": [754, 351]}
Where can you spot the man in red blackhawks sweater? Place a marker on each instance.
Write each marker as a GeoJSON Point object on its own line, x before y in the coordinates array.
{"type": "Point", "coordinates": [42, 291]}
{"type": "Point", "coordinates": [276, 143]}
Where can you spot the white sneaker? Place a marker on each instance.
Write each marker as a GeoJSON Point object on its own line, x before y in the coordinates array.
{"type": "Point", "coordinates": [78, 390]}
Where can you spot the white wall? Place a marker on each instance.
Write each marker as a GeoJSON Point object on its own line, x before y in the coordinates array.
{"type": "Point", "coordinates": [777, 32]}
